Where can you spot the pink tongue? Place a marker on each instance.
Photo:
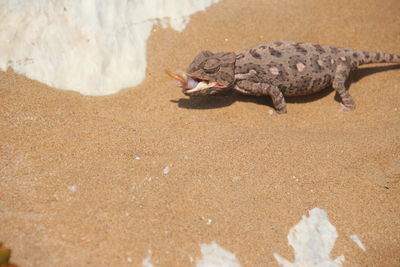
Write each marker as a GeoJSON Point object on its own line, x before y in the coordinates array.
{"type": "Point", "coordinates": [189, 84]}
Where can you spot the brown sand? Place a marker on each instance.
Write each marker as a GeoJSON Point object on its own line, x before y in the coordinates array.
{"type": "Point", "coordinates": [230, 160]}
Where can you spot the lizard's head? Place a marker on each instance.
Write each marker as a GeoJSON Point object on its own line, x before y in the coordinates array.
{"type": "Point", "coordinates": [208, 74]}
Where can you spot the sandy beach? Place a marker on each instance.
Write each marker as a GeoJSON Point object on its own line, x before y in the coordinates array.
{"type": "Point", "coordinates": [110, 180]}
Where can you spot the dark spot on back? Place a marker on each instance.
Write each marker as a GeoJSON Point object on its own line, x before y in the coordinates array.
{"type": "Point", "coordinates": [334, 50]}
{"type": "Point", "coordinates": [254, 54]}
{"type": "Point", "coordinates": [306, 82]}
{"type": "Point", "coordinates": [292, 66]}
{"type": "Point", "coordinates": [300, 49]}
{"type": "Point", "coordinates": [355, 55]}
{"type": "Point", "coordinates": [274, 52]}
{"type": "Point", "coordinates": [319, 49]}
{"type": "Point", "coordinates": [390, 57]}
{"type": "Point", "coordinates": [366, 54]}
{"type": "Point", "coordinates": [378, 56]}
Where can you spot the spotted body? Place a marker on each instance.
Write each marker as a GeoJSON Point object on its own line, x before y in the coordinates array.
{"type": "Point", "coordinates": [280, 69]}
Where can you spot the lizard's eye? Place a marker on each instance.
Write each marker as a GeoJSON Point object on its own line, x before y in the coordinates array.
{"type": "Point", "coordinates": [211, 65]}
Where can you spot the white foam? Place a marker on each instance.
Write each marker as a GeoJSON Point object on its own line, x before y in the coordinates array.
{"type": "Point", "coordinates": [357, 240]}
{"type": "Point", "coordinates": [95, 47]}
{"type": "Point", "coordinates": [312, 239]}
{"type": "Point", "coordinates": [215, 256]}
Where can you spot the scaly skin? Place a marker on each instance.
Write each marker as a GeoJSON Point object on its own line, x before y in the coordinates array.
{"type": "Point", "coordinates": [281, 69]}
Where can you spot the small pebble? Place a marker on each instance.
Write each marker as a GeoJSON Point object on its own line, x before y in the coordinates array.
{"type": "Point", "coordinates": [166, 170]}
{"type": "Point", "coordinates": [73, 188]}
{"type": "Point", "coordinates": [137, 158]}
{"type": "Point", "coordinates": [129, 259]}
{"type": "Point", "coordinates": [270, 112]}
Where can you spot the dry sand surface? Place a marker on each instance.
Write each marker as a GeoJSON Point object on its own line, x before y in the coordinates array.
{"type": "Point", "coordinates": [73, 192]}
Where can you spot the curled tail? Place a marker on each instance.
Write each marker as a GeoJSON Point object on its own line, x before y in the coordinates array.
{"type": "Point", "coordinates": [364, 57]}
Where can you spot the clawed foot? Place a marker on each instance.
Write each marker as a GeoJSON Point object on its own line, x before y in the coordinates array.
{"type": "Point", "coordinates": [347, 108]}
{"type": "Point", "coordinates": [281, 111]}
{"type": "Point", "coordinates": [277, 111]}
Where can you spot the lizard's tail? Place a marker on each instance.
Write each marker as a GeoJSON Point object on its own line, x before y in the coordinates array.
{"type": "Point", "coordinates": [363, 57]}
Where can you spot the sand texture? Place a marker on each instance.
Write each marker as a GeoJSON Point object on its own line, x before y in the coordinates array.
{"type": "Point", "coordinates": [82, 181]}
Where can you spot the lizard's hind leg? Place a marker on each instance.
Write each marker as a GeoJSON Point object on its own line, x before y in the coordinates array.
{"type": "Point", "coordinates": [339, 80]}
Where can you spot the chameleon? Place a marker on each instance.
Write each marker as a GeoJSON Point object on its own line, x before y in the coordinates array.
{"type": "Point", "coordinates": [277, 69]}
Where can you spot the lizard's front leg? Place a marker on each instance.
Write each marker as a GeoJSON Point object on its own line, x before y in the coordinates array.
{"type": "Point", "coordinates": [258, 89]}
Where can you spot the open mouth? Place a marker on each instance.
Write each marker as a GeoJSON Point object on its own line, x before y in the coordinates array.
{"type": "Point", "coordinates": [191, 84]}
